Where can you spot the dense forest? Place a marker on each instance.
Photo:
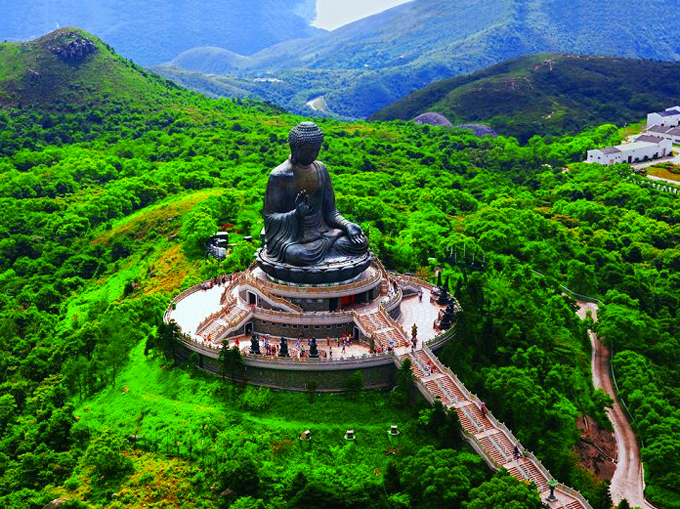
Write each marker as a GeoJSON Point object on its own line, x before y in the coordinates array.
{"type": "Point", "coordinates": [104, 210]}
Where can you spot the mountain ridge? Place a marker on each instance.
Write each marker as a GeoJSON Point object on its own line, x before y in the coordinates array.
{"type": "Point", "coordinates": [152, 31]}
{"type": "Point", "coordinates": [547, 94]}
{"type": "Point", "coordinates": [374, 61]}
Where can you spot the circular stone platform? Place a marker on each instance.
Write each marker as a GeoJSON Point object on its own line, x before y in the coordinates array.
{"type": "Point", "coordinates": [371, 312]}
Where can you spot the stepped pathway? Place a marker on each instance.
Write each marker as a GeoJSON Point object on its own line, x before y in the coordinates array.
{"type": "Point", "coordinates": [384, 329]}
{"type": "Point", "coordinates": [490, 438]}
{"type": "Point", "coordinates": [230, 315]}
{"type": "Point", "coordinates": [628, 480]}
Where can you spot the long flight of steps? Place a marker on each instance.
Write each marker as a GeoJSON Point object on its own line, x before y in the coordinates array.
{"type": "Point", "coordinates": [493, 438]}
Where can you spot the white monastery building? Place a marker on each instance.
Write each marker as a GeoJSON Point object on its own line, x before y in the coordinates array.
{"type": "Point", "coordinates": [667, 118]}
{"type": "Point", "coordinates": [669, 133]}
{"type": "Point", "coordinates": [645, 147]}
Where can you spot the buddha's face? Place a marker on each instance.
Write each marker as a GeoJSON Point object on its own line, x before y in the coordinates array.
{"type": "Point", "coordinates": [305, 154]}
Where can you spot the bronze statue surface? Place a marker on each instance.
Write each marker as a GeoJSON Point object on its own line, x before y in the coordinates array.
{"type": "Point", "coordinates": [303, 228]}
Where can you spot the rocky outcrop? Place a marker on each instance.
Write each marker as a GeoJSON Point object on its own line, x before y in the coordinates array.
{"type": "Point", "coordinates": [480, 130]}
{"type": "Point", "coordinates": [432, 118]}
{"type": "Point", "coordinates": [56, 503]}
{"type": "Point", "coordinates": [71, 47]}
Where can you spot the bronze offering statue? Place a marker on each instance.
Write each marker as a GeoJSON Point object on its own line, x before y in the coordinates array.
{"type": "Point", "coordinates": [306, 238]}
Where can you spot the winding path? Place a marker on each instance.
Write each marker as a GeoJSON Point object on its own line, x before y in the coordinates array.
{"type": "Point", "coordinates": [628, 481]}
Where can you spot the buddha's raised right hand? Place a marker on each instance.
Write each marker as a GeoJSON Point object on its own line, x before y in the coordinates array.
{"type": "Point", "coordinates": [302, 203]}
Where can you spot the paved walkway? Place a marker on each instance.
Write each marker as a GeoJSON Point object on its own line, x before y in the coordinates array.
{"type": "Point", "coordinates": [191, 310]}
{"type": "Point", "coordinates": [422, 314]}
{"type": "Point", "coordinates": [628, 480]}
{"type": "Point", "coordinates": [661, 179]}
{"type": "Point", "coordinates": [675, 159]}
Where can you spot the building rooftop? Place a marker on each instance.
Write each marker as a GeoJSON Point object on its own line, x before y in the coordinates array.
{"type": "Point", "coordinates": [636, 145]}
{"type": "Point", "coordinates": [674, 132]}
{"type": "Point", "coordinates": [610, 150]}
{"type": "Point", "coordinates": [658, 129]}
{"type": "Point", "coordinates": [668, 113]}
{"type": "Point", "coordinates": [649, 138]}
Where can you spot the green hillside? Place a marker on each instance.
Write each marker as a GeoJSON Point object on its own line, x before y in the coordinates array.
{"type": "Point", "coordinates": [102, 219]}
{"type": "Point", "coordinates": [548, 94]}
{"type": "Point", "coordinates": [69, 69]}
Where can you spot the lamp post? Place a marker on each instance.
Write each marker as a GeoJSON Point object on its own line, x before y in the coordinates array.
{"type": "Point", "coordinates": [306, 440]}
{"type": "Point", "coordinates": [350, 438]}
{"type": "Point", "coordinates": [552, 483]}
{"type": "Point", "coordinates": [393, 435]}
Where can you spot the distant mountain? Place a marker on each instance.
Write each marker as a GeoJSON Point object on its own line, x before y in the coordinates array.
{"type": "Point", "coordinates": [70, 68]}
{"type": "Point", "coordinates": [154, 31]}
{"type": "Point", "coordinates": [366, 65]}
{"type": "Point", "coordinates": [548, 94]}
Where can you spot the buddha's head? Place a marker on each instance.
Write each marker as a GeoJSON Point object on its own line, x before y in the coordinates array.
{"type": "Point", "coordinates": [305, 141]}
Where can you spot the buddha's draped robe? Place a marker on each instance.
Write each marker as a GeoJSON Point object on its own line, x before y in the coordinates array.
{"type": "Point", "coordinates": [315, 239]}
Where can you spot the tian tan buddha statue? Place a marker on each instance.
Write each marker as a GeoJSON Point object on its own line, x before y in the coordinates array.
{"type": "Point", "coordinates": [306, 240]}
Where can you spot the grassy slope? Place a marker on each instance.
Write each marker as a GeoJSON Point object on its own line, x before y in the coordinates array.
{"type": "Point", "coordinates": [180, 405]}
{"type": "Point", "coordinates": [164, 257]}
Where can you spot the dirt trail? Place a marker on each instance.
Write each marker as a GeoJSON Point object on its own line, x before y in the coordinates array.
{"type": "Point", "coordinates": [628, 481]}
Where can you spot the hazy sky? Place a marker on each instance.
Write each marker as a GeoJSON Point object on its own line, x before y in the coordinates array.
{"type": "Point", "coordinates": [332, 14]}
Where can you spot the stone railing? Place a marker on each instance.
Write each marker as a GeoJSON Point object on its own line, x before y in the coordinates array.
{"type": "Point", "coordinates": [230, 286]}
{"type": "Point", "coordinates": [441, 338]}
{"type": "Point", "coordinates": [394, 299]}
{"type": "Point", "coordinates": [380, 266]}
{"type": "Point", "coordinates": [312, 317]}
{"type": "Point", "coordinates": [256, 284]}
{"type": "Point", "coordinates": [236, 322]}
{"type": "Point", "coordinates": [414, 281]}
{"type": "Point", "coordinates": [392, 322]}
{"type": "Point", "coordinates": [179, 297]}
{"type": "Point", "coordinates": [209, 319]}
{"type": "Point", "coordinates": [304, 363]}
{"type": "Point", "coordinates": [209, 350]}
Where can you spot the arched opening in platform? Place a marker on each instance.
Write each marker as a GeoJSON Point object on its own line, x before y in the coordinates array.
{"type": "Point", "coordinates": [252, 298]}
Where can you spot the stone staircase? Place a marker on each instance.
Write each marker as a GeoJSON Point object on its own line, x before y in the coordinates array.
{"type": "Point", "coordinates": [383, 328]}
{"type": "Point", "coordinates": [527, 470]}
{"type": "Point", "coordinates": [228, 319]}
{"type": "Point", "coordinates": [488, 436]}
